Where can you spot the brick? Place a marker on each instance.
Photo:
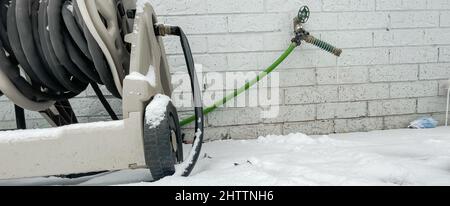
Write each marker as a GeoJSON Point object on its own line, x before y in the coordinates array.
{"type": "Point", "coordinates": [41, 123]}
{"type": "Point", "coordinates": [348, 5]}
{"type": "Point", "coordinates": [235, 6]}
{"type": "Point", "coordinates": [235, 43]}
{"type": "Point", "coordinates": [256, 22]}
{"type": "Point", "coordinates": [292, 6]}
{"type": "Point", "coordinates": [269, 129]}
{"type": "Point", "coordinates": [236, 61]}
{"type": "Point", "coordinates": [235, 116]}
{"type": "Point", "coordinates": [296, 113]}
{"type": "Point", "coordinates": [7, 125]}
{"type": "Point", "coordinates": [209, 62]}
{"type": "Point", "coordinates": [3, 98]}
{"type": "Point", "coordinates": [434, 71]}
{"type": "Point", "coordinates": [251, 98]}
{"type": "Point", "coordinates": [32, 115]}
{"type": "Point", "coordinates": [197, 43]}
{"type": "Point", "coordinates": [299, 59]}
{"type": "Point", "coordinates": [444, 85]}
{"type": "Point", "coordinates": [431, 104]}
{"type": "Point", "coordinates": [358, 125]}
{"type": "Point", "coordinates": [92, 107]}
{"type": "Point", "coordinates": [394, 73]}
{"type": "Point", "coordinates": [414, 89]}
{"type": "Point", "coordinates": [357, 57]}
{"type": "Point", "coordinates": [6, 111]}
{"type": "Point", "coordinates": [308, 95]}
{"type": "Point", "coordinates": [363, 20]}
{"type": "Point", "coordinates": [363, 92]}
{"type": "Point", "coordinates": [400, 121]}
{"type": "Point", "coordinates": [402, 55]}
{"type": "Point", "coordinates": [277, 41]}
{"type": "Point", "coordinates": [445, 19]}
{"type": "Point", "coordinates": [437, 36]}
{"type": "Point", "coordinates": [444, 54]}
{"type": "Point", "coordinates": [322, 21]}
{"type": "Point", "coordinates": [298, 77]}
{"type": "Point", "coordinates": [347, 75]}
{"type": "Point", "coordinates": [348, 39]}
{"type": "Point", "coordinates": [438, 4]}
{"type": "Point", "coordinates": [215, 133]}
{"type": "Point", "coordinates": [244, 132]}
{"type": "Point", "coordinates": [392, 107]}
{"type": "Point", "coordinates": [210, 134]}
{"type": "Point", "coordinates": [234, 80]}
{"type": "Point", "coordinates": [389, 5]}
{"type": "Point", "coordinates": [341, 110]}
{"type": "Point", "coordinates": [199, 24]}
{"type": "Point", "coordinates": [399, 37]}
{"type": "Point", "coordinates": [222, 118]}
{"type": "Point", "coordinates": [177, 7]}
{"type": "Point", "coordinates": [440, 118]}
{"type": "Point", "coordinates": [310, 128]}
{"type": "Point", "coordinates": [414, 19]}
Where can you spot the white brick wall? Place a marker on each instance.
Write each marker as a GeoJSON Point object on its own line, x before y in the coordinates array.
{"type": "Point", "coordinates": [395, 60]}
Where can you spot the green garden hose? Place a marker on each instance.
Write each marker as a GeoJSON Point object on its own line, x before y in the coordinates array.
{"type": "Point", "coordinates": [244, 88]}
{"type": "Point", "coordinates": [300, 35]}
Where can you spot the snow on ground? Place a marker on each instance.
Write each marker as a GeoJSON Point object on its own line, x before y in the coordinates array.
{"type": "Point", "coordinates": [395, 157]}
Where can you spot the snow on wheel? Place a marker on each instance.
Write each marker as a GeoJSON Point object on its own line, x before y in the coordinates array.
{"type": "Point", "coordinates": [163, 145]}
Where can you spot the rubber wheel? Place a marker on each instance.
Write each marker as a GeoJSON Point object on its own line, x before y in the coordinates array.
{"type": "Point", "coordinates": [163, 145]}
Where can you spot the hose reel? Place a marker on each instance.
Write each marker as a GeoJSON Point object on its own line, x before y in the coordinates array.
{"type": "Point", "coordinates": [54, 49]}
{"type": "Point", "coordinates": [50, 54]}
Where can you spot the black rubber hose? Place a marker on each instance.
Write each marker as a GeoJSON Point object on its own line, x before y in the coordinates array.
{"type": "Point", "coordinates": [101, 65]}
{"type": "Point", "coordinates": [199, 123]}
{"type": "Point", "coordinates": [30, 91]}
{"type": "Point", "coordinates": [66, 112]}
{"type": "Point", "coordinates": [35, 26]}
{"type": "Point", "coordinates": [20, 117]}
{"type": "Point", "coordinates": [78, 58]}
{"type": "Point", "coordinates": [63, 76]}
{"type": "Point", "coordinates": [4, 4]}
{"type": "Point", "coordinates": [14, 40]}
{"type": "Point", "coordinates": [104, 102]}
{"type": "Point", "coordinates": [25, 28]}
{"type": "Point", "coordinates": [56, 32]}
{"type": "Point", "coordinates": [74, 29]}
{"type": "Point", "coordinates": [40, 59]}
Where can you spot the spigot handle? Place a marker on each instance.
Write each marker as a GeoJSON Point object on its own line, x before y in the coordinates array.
{"type": "Point", "coordinates": [303, 14]}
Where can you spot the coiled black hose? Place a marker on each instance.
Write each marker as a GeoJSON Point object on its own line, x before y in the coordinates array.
{"type": "Point", "coordinates": [49, 55]}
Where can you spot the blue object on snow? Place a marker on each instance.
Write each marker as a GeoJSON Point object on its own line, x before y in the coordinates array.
{"type": "Point", "coordinates": [424, 123]}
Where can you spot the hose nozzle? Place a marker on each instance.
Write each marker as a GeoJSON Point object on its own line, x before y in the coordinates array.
{"type": "Point", "coordinates": [323, 45]}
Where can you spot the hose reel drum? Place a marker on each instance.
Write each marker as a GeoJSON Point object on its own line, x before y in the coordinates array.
{"type": "Point", "coordinates": [54, 49]}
